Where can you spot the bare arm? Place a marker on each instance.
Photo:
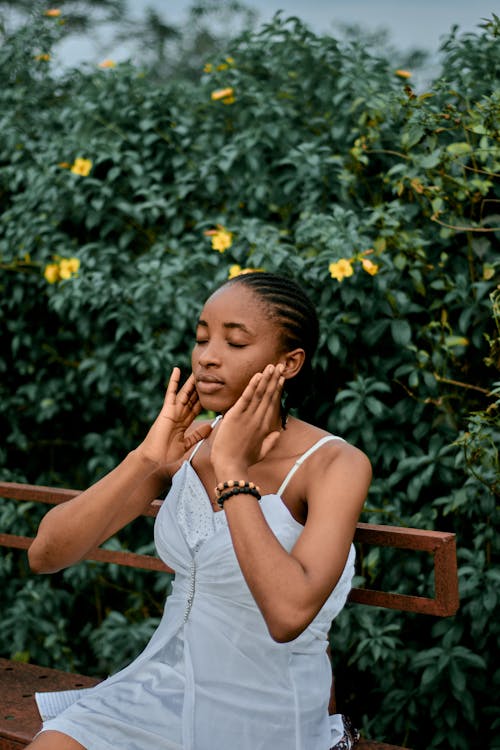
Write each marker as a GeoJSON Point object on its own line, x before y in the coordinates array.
{"type": "Point", "coordinates": [69, 531]}
{"type": "Point", "coordinates": [289, 588]}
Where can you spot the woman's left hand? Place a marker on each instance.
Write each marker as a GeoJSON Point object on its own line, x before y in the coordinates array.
{"type": "Point", "coordinates": [250, 428]}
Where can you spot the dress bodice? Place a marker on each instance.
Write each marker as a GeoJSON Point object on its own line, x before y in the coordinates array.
{"type": "Point", "coordinates": [196, 543]}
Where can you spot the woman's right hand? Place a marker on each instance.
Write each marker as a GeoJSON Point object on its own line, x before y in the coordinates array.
{"type": "Point", "coordinates": [71, 529]}
{"type": "Point", "coordinates": [168, 440]}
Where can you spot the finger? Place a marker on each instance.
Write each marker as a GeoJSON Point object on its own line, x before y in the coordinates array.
{"type": "Point", "coordinates": [268, 390]}
{"type": "Point", "coordinates": [263, 382]}
{"type": "Point", "coordinates": [195, 408]}
{"type": "Point", "coordinates": [253, 399]}
{"type": "Point", "coordinates": [172, 385]}
{"type": "Point", "coordinates": [278, 389]}
{"type": "Point", "coordinates": [188, 391]}
{"type": "Point", "coordinates": [247, 397]}
{"type": "Point", "coordinates": [200, 433]}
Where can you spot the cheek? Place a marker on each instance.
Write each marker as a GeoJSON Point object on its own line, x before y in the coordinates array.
{"type": "Point", "coordinates": [248, 368]}
{"type": "Point", "coordinates": [194, 357]}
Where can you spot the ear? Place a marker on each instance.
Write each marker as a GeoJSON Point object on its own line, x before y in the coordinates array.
{"type": "Point", "coordinates": [293, 362]}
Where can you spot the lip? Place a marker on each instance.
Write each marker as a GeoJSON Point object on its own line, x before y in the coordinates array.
{"type": "Point", "coordinates": [208, 384]}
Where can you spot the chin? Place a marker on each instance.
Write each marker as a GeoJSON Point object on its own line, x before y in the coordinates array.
{"type": "Point", "coordinates": [214, 403]}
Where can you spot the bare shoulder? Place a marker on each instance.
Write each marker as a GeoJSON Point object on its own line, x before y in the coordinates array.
{"type": "Point", "coordinates": [334, 447]}
{"type": "Point", "coordinates": [338, 474]}
{"type": "Point", "coordinates": [339, 481]}
{"type": "Point", "coordinates": [343, 453]}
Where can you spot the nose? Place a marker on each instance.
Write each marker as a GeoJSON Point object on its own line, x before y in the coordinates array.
{"type": "Point", "coordinates": [209, 354]}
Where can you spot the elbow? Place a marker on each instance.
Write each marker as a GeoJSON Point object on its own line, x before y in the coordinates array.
{"type": "Point", "coordinates": [284, 635]}
{"type": "Point", "coordinates": [287, 628]}
{"type": "Point", "coordinates": [39, 561]}
{"type": "Point", "coordinates": [34, 561]}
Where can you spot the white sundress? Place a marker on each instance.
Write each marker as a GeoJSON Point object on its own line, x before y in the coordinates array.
{"type": "Point", "coordinates": [211, 677]}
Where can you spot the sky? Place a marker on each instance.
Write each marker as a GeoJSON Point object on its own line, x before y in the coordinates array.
{"type": "Point", "coordinates": [416, 24]}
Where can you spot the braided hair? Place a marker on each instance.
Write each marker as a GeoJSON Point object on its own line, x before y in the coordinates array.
{"type": "Point", "coordinates": [290, 307]}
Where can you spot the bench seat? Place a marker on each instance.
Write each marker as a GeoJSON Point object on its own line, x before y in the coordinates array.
{"type": "Point", "coordinates": [20, 720]}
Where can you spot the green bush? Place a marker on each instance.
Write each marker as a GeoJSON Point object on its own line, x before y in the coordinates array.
{"type": "Point", "coordinates": [298, 154]}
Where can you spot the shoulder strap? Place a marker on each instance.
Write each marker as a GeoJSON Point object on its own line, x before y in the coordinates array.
{"type": "Point", "coordinates": [303, 457]}
{"type": "Point", "coordinates": [200, 442]}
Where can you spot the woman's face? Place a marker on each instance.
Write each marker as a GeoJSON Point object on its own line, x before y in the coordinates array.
{"type": "Point", "coordinates": [235, 338]}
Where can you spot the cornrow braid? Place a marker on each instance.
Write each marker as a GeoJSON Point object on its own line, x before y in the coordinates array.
{"type": "Point", "coordinates": [294, 312]}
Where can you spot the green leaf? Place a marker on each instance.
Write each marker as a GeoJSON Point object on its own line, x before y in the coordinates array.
{"type": "Point", "coordinates": [401, 331]}
{"type": "Point", "coordinates": [459, 148]}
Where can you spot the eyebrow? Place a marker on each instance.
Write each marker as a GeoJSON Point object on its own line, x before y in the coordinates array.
{"type": "Point", "coordinates": [228, 326]}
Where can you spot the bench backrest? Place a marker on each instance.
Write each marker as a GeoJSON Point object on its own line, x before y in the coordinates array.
{"type": "Point", "coordinates": [440, 544]}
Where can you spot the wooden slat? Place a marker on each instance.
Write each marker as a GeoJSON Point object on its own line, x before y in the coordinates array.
{"type": "Point", "coordinates": [38, 493]}
{"type": "Point", "coordinates": [119, 557]}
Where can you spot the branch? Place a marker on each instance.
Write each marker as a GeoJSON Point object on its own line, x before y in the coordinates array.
{"type": "Point", "coordinates": [464, 229]}
{"type": "Point", "coordinates": [440, 379]}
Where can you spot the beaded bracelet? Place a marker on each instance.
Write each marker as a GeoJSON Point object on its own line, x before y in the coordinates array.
{"type": "Point", "coordinates": [230, 483]}
{"type": "Point", "coordinates": [238, 490]}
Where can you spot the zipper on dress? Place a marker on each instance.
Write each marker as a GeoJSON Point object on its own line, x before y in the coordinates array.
{"type": "Point", "coordinates": [191, 590]}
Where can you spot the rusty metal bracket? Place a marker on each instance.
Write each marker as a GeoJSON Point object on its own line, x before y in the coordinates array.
{"type": "Point", "coordinates": [440, 544]}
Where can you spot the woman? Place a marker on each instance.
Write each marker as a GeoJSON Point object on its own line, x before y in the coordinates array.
{"type": "Point", "coordinates": [258, 525]}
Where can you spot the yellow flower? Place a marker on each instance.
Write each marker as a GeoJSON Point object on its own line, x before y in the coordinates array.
{"type": "Point", "coordinates": [68, 267]}
{"type": "Point", "coordinates": [341, 269]}
{"type": "Point", "coordinates": [234, 271]}
{"type": "Point", "coordinates": [229, 100]}
{"type": "Point", "coordinates": [64, 271]}
{"type": "Point", "coordinates": [81, 166]}
{"type": "Point", "coordinates": [107, 64]}
{"type": "Point", "coordinates": [230, 60]}
{"type": "Point", "coordinates": [222, 238]}
{"type": "Point", "coordinates": [51, 273]}
{"type": "Point", "coordinates": [208, 68]}
{"type": "Point", "coordinates": [44, 56]}
{"type": "Point", "coordinates": [222, 66]}
{"type": "Point", "coordinates": [238, 271]}
{"type": "Point", "coordinates": [369, 267]}
{"type": "Point", "coordinates": [52, 12]}
{"type": "Point", "coordinates": [403, 73]}
{"type": "Point", "coordinates": [222, 94]}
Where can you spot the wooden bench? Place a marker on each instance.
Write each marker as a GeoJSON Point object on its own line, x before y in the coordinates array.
{"type": "Point", "coordinates": [19, 718]}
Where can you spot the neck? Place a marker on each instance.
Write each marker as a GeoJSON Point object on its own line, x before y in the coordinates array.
{"type": "Point", "coordinates": [280, 422]}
